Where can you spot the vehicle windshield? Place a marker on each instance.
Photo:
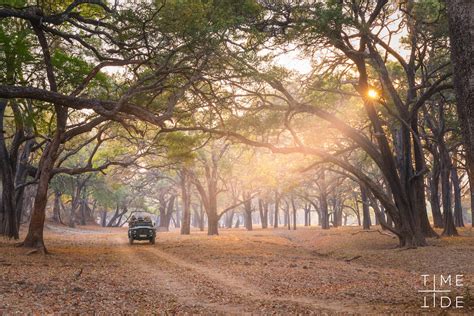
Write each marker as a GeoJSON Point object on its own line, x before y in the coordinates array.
{"type": "Point", "coordinates": [141, 223]}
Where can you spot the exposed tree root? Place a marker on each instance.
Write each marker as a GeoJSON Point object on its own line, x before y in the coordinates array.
{"type": "Point", "coordinates": [449, 234]}
{"type": "Point", "coordinates": [375, 231]}
{"type": "Point", "coordinates": [408, 248]}
{"type": "Point", "coordinates": [353, 258]}
{"type": "Point", "coordinates": [41, 250]}
{"type": "Point", "coordinates": [34, 249]}
{"type": "Point", "coordinates": [32, 252]}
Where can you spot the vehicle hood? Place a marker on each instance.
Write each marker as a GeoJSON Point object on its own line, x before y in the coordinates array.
{"type": "Point", "coordinates": [138, 227]}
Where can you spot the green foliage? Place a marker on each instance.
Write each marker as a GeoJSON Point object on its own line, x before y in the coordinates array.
{"type": "Point", "coordinates": [431, 14]}
{"type": "Point", "coordinates": [180, 146]}
{"type": "Point", "coordinates": [15, 50]}
{"type": "Point", "coordinates": [14, 3]}
{"type": "Point", "coordinates": [71, 70]}
{"type": "Point", "coordinates": [110, 193]}
{"type": "Point", "coordinates": [323, 18]}
{"type": "Point", "coordinates": [198, 18]}
{"type": "Point", "coordinates": [104, 193]}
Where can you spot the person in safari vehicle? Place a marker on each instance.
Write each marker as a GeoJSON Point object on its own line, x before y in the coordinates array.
{"type": "Point", "coordinates": [141, 229]}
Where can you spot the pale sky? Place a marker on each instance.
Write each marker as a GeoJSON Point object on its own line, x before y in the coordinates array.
{"type": "Point", "coordinates": [293, 61]}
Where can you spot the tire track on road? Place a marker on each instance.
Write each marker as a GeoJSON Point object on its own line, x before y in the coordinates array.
{"type": "Point", "coordinates": [250, 293]}
{"type": "Point", "coordinates": [175, 281]}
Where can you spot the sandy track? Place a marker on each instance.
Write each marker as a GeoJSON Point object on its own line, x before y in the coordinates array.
{"type": "Point", "coordinates": [238, 272]}
{"type": "Point", "coordinates": [197, 285]}
{"type": "Point", "coordinates": [173, 278]}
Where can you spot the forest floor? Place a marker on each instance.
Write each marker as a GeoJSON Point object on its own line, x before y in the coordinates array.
{"type": "Point", "coordinates": [307, 271]}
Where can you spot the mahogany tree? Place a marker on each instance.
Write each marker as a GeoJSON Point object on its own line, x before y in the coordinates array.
{"type": "Point", "coordinates": [361, 70]}
{"type": "Point", "coordinates": [161, 56]}
{"type": "Point", "coordinates": [461, 21]}
{"type": "Point", "coordinates": [208, 177]}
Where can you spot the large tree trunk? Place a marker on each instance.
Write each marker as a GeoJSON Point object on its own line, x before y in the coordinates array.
{"type": "Point", "coordinates": [337, 210]}
{"type": "Point", "coordinates": [72, 216]}
{"type": "Point", "coordinates": [34, 238]}
{"type": "Point", "coordinates": [169, 212]}
{"type": "Point", "coordinates": [419, 198]}
{"type": "Point", "coordinates": [201, 218]}
{"type": "Point", "coordinates": [9, 224]}
{"type": "Point", "coordinates": [8, 216]}
{"type": "Point", "coordinates": [323, 203]}
{"type": "Point", "coordinates": [248, 213]}
{"type": "Point", "coordinates": [20, 179]}
{"type": "Point", "coordinates": [27, 204]}
{"type": "Point", "coordinates": [318, 212]}
{"type": "Point", "coordinates": [461, 29]}
{"type": "Point", "coordinates": [377, 222]}
{"type": "Point", "coordinates": [89, 213]}
{"type": "Point", "coordinates": [248, 220]}
{"type": "Point", "coordinates": [186, 198]}
{"type": "Point", "coordinates": [212, 217]}
{"type": "Point", "coordinates": [458, 216]}
{"type": "Point", "coordinates": [379, 215]}
{"type": "Point", "coordinates": [76, 202]}
{"type": "Point", "coordinates": [212, 224]}
{"type": "Point", "coordinates": [209, 198]}
{"type": "Point", "coordinates": [307, 211]}
{"type": "Point", "coordinates": [471, 183]}
{"type": "Point", "coordinates": [275, 213]}
{"type": "Point", "coordinates": [449, 228]}
{"type": "Point", "coordinates": [103, 218]}
{"type": "Point", "coordinates": [112, 221]}
{"type": "Point", "coordinates": [263, 210]}
{"type": "Point", "coordinates": [83, 212]}
{"type": "Point", "coordinates": [389, 220]}
{"type": "Point", "coordinates": [434, 192]}
{"type": "Point", "coordinates": [166, 211]}
{"type": "Point", "coordinates": [309, 216]}
{"type": "Point", "coordinates": [324, 212]}
{"type": "Point", "coordinates": [411, 233]}
{"type": "Point", "coordinates": [186, 222]}
{"type": "Point", "coordinates": [270, 216]}
{"type": "Point", "coordinates": [357, 210]}
{"type": "Point", "coordinates": [398, 178]}
{"type": "Point", "coordinates": [57, 207]}
{"type": "Point", "coordinates": [365, 208]}
{"type": "Point", "coordinates": [287, 221]}
{"type": "Point", "coordinates": [332, 202]}
{"type": "Point", "coordinates": [294, 213]}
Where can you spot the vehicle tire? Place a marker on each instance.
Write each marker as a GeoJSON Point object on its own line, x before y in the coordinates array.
{"type": "Point", "coordinates": [130, 241]}
{"type": "Point", "coordinates": [152, 240]}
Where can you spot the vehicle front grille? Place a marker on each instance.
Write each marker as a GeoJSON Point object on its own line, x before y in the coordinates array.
{"type": "Point", "coordinates": [142, 231]}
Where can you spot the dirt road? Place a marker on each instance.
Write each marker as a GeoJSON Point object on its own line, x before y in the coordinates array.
{"type": "Point", "coordinates": [261, 272]}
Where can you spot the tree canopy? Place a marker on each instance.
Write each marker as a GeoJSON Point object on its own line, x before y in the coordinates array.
{"type": "Point", "coordinates": [194, 109]}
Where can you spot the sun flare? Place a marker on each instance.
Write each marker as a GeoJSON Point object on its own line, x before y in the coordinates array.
{"type": "Point", "coordinates": [372, 93]}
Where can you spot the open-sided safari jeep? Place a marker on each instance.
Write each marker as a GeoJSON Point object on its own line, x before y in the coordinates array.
{"type": "Point", "coordinates": [141, 229]}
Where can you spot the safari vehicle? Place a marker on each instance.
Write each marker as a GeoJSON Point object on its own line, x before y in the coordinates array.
{"type": "Point", "coordinates": [141, 229]}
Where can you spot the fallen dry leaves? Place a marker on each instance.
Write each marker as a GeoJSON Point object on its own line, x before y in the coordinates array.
{"type": "Point", "coordinates": [308, 271]}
